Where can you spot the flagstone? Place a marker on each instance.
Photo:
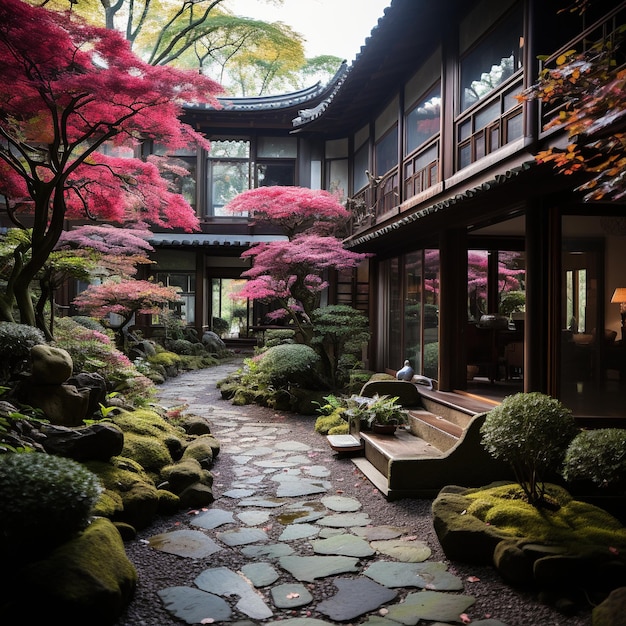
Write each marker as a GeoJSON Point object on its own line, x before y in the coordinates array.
{"type": "Point", "coordinates": [402, 550]}
{"type": "Point", "coordinates": [293, 446]}
{"type": "Point", "coordinates": [290, 595]}
{"type": "Point", "coordinates": [355, 596]}
{"type": "Point", "coordinates": [272, 550]}
{"type": "Point", "coordinates": [341, 504]}
{"type": "Point", "coordinates": [224, 582]}
{"type": "Point", "coordinates": [302, 512]}
{"type": "Point", "coordinates": [327, 532]}
{"type": "Point", "coordinates": [299, 621]}
{"type": "Point", "coordinates": [296, 486]}
{"type": "Point", "coordinates": [378, 533]}
{"type": "Point", "coordinates": [262, 502]}
{"type": "Point", "coordinates": [298, 459]}
{"type": "Point", "coordinates": [345, 520]}
{"type": "Point", "coordinates": [274, 463]}
{"type": "Point", "coordinates": [430, 605]}
{"type": "Point", "coordinates": [193, 605]}
{"type": "Point", "coordinates": [424, 575]}
{"type": "Point", "coordinates": [344, 545]}
{"type": "Point", "coordinates": [193, 544]}
{"type": "Point", "coordinates": [379, 620]}
{"type": "Point", "coordinates": [260, 574]}
{"type": "Point", "coordinates": [242, 536]}
{"type": "Point", "coordinates": [239, 493]}
{"type": "Point", "coordinates": [258, 451]}
{"type": "Point", "coordinates": [298, 531]}
{"type": "Point", "coordinates": [320, 471]}
{"type": "Point", "coordinates": [213, 518]}
{"type": "Point", "coordinates": [241, 459]}
{"type": "Point", "coordinates": [254, 518]}
{"type": "Point", "coordinates": [308, 568]}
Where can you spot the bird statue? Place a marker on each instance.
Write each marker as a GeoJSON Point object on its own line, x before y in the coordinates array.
{"type": "Point", "coordinates": [406, 373]}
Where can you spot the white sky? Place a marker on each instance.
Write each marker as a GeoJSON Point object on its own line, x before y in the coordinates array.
{"type": "Point", "coordinates": [336, 27]}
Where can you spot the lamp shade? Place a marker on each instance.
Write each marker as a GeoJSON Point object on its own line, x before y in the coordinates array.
{"type": "Point", "coordinates": [619, 295]}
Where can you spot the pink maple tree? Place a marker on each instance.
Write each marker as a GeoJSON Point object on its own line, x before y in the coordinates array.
{"type": "Point", "coordinates": [292, 273]}
{"type": "Point", "coordinates": [125, 297]}
{"type": "Point", "coordinates": [294, 209]}
{"type": "Point", "coordinates": [69, 90]}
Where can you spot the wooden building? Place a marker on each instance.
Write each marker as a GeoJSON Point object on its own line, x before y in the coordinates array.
{"type": "Point", "coordinates": [491, 275]}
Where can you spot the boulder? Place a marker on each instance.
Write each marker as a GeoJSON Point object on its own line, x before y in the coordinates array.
{"type": "Point", "coordinates": [212, 342]}
{"type": "Point", "coordinates": [612, 611]}
{"type": "Point", "coordinates": [50, 365]}
{"type": "Point", "coordinates": [97, 387]}
{"type": "Point", "coordinates": [204, 449]}
{"type": "Point", "coordinates": [61, 404]}
{"type": "Point", "coordinates": [88, 580]}
{"type": "Point", "coordinates": [97, 442]}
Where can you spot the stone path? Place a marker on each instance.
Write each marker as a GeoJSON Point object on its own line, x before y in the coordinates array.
{"type": "Point", "coordinates": [287, 539]}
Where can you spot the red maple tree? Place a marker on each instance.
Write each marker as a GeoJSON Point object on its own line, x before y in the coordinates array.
{"type": "Point", "coordinates": [293, 272]}
{"type": "Point", "coordinates": [294, 209]}
{"type": "Point", "coordinates": [68, 91]}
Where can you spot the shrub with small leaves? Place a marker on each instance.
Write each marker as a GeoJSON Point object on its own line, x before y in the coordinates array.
{"type": "Point", "coordinates": [598, 456]}
{"type": "Point", "coordinates": [16, 340]}
{"type": "Point", "coordinates": [46, 500]}
{"type": "Point", "coordinates": [531, 432]}
{"type": "Point", "coordinates": [278, 336]}
{"type": "Point", "coordinates": [179, 346]}
{"type": "Point", "coordinates": [288, 364]}
{"type": "Point", "coordinates": [220, 326]}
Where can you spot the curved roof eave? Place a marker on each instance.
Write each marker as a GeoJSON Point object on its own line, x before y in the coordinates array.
{"type": "Point", "coordinates": [279, 101]}
{"type": "Point", "coordinates": [409, 30]}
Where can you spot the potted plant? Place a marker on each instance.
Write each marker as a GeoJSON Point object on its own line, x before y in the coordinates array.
{"type": "Point", "coordinates": [381, 414]}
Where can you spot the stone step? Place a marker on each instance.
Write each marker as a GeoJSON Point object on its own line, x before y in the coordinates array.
{"type": "Point", "coordinates": [434, 429]}
{"type": "Point", "coordinates": [381, 450]}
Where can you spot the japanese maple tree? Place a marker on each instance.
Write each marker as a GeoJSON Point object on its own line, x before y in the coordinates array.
{"type": "Point", "coordinates": [68, 91]}
{"type": "Point", "coordinates": [589, 91]}
{"type": "Point", "coordinates": [291, 273]}
{"type": "Point", "coordinates": [125, 298]}
{"type": "Point", "coordinates": [294, 209]}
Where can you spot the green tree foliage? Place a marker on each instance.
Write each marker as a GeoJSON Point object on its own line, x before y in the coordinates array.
{"type": "Point", "coordinates": [339, 334]}
{"type": "Point", "coordinates": [531, 432]}
{"type": "Point", "coordinates": [247, 56]}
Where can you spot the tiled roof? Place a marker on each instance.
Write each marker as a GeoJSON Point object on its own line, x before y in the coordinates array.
{"type": "Point", "coordinates": [292, 99]}
{"type": "Point", "coordinates": [209, 239]}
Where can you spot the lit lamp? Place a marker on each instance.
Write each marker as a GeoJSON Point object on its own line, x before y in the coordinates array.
{"type": "Point", "coordinates": [619, 297]}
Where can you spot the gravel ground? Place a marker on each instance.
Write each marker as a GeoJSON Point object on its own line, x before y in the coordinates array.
{"type": "Point", "coordinates": [158, 570]}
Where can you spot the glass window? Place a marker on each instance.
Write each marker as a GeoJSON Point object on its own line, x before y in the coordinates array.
{"type": "Point", "coordinates": [422, 122]}
{"type": "Point", "coordinates": [412, 310]}
{"type": "Point", "coordinates": [275, 173]}
{"type": "Point", "coordinates": [338, 178]}
{"type": "Point", "coordinates": [228, 173]}
{"type": "Point", "coordinates": [430, 316]}
{"type": "Point", "coordinates": [226, 180]}
{"type": "Point", "coordinates": [386, 152]}
{"type": "Point", "coordinates": [493, 61]}
{"type": "Point", "coordinates": [277, 147]}
{"type": "Point", "coordinates": [361, 165]}
{"type": "Point", "coordinates": [186, 309]}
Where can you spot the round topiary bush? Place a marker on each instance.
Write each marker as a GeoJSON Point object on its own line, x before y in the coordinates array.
{"type": "Point", "coordinates": [531, 432]}
{"type": "Point", "coordinates": [46, 500]}
{"type": "Point", "coordinates": [16, 340]}
{"type": "Point", "coordinates": [288, 363]}
{"type": "Point", "coordinates": [598, 456]}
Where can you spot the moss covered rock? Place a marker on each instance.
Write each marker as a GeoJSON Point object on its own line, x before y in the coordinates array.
{"type": "Point", "coordinates": [88, 580]}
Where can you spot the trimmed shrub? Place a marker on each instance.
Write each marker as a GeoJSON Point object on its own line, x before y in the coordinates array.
{"type": "Point", "coordinates": [46, 500]}
{"type": "Point", "coordinates": [598, 456]}
{"type": "Point", "coordinates": [531, 432]}
{"type": "Point", "coordinates": [16, 340]}
{"type": "Point", "coordinates": [288, 364]}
